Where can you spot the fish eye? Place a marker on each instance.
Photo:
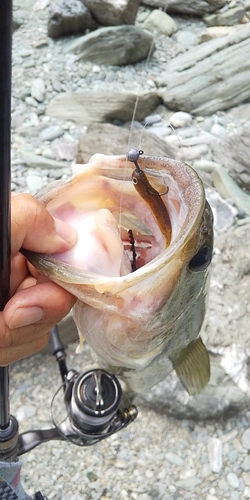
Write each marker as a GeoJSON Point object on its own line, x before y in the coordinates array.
{"type": "Point", "coordinates": [134, 180]}
{"type": "Point", "coordinates": [201, 260]}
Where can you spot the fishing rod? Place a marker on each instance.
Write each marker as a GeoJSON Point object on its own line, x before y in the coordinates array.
{"type": "Point", "coordinates": [5, 113]}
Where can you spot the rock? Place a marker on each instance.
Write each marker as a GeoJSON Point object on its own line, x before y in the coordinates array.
{"type": "Point", "coordinates": [174, 459]}
{"type": "Point", "coordinates": [218, 130]}
{"type": "Point", "coordinates": [110, 139]}
{"type": "Point", "coordinates": [233, 480]}
{"type": "Point", "coordinates": [245, 439]}
{"type": "Point", "coordinates": [38, 89]}
{"type": "Point", "coordinates": [67, 17]}
{"type": "Point", "coordinates": [50, 133]}
{"type": "Point", "coordinates": [229, 189]}
{"type": "Point", "coordinates": [221, 396]}
{"type": "Point", "coordinates": [210, 77]}
{"type": "Point", "coordinates": [33, 160]}
{"type": "Point", "coordinates": [188, 484]}
{"type": "Point", "coordinates": [34, 181]}
{"type": "Point", "coordinates": [152, 119]}
{"type": "Point", "coordinates": [233, 154]}
{"type": "Point", "coordinates": [180, 119]}
{"type": "Point", "coordinates": [224, 214]}
{"type": "Point", "coordinates": [215, 454]}
{"type": "Point", "coordinates": [66, 150]}
{"type": "Point", "coordinates": [196, 8]}
{"type": "Point", "coordinates": [161, 22]}
{"type": "Point", "coordinates": [119, 45]}
{"type": "Point", "coordinates": [89, 107]}
{"type": "Point", "coordinates": [218, 31]}
{"type": "Point", "coordinates": [228, 18]}
{"type": "Point", "coordinates": [110, 13]}
{"type": "Point", "coordinates": [187, 38]}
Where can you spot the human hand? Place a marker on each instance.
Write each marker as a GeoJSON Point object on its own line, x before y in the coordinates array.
{"type": "Point", "coordinates": [36, 303]}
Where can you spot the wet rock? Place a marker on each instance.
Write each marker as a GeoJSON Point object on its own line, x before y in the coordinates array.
{"type": "Point", "coordinates": [110, 13]}
{"type": "Point", "coordinates": [228, 18]}
{"type": "Point", "coordinates": [233, 154]}
{"type": "Point", "coordinates": [67, 17]}
{"type": "Point", "coordinates": [110, 139]}
{"type": "Point", "coordinates": [119, 45]}
{"type": "Point", "coordinates": [228, 188]}
{"type": "Point", "coordinates": [196, 7]}
{"type": "Point", "coordinates": [38, 89]}
{"type": "Point", "coordinates": [89, 107]}
{"type": "Point", "coordinates": [161, 22]}
{"type": "Point", "coordinates": [195, 75]}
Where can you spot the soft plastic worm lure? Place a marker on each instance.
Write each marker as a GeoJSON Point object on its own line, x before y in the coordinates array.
{"type": "Point", "coordinates": [150, 196]}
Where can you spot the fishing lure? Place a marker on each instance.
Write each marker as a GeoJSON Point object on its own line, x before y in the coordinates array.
{"type": "Point", "coordinates": [151, 196]}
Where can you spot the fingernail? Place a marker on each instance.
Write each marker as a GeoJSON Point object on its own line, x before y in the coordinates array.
{"type": "Point", "coordinates": [65, 231]}
{"type": "Point", "coordinates": [25, 316]}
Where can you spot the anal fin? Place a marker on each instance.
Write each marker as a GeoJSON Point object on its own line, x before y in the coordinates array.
{"type": "Point", "coordinates": [192, 366]}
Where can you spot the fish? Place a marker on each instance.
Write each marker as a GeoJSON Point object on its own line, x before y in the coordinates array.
{"type": "Point", "coordinates": [140, 267]}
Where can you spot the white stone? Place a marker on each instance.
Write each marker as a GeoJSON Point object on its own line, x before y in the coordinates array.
{"type": "Point", "coordinates": [215, 454]}
{"type": "Point", "coordinates": [161, 22]}
{"type": "Point", "coordinates": [38, 89]}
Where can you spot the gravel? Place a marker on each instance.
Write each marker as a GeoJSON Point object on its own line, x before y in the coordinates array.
{"type": "Point", "coordinates": [156, 457]}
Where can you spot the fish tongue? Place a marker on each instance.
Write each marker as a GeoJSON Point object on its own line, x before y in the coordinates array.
{"type": "Point", "coordinates": [99, 248]}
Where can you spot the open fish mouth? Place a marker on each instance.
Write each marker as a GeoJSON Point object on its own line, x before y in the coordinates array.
{"type": "Point", "coordinates": [141, 292]}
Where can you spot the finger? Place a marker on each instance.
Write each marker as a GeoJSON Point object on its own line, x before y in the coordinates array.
{"type": "Point", "coordinates": [14, 353]}
{"type": "Point", "coordinates": [35, 229]}
{"type": "Point", "coordinates": [33, 311]}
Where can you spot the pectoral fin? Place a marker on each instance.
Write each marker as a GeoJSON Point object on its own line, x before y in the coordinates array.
{"type": "Point", "coordinates": [192, 366]}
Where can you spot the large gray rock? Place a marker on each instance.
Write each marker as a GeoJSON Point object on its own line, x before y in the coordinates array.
{"type": "Point", "coordinates": [228, 18]}
{"type": "Point", "coordinates": [113, 13]}
{"type": "Point", "coordinates": [112, 140]}
{"type": "Point", "coordinates": [67, 17]}
{"type": "Point", "coordinates": [211, 77]}
{"type": "Point", "coordinates": [118, 45]}
{"type": "Point", "coordinates": [196, 7]}
{"type": "Point", "coordinates": [233, 153]}
{"type": "Point", "coordinates": [90, 107]}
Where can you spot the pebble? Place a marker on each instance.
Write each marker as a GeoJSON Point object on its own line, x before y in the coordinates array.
{"type": "Point", "coordinates": [38, 89]}
{"type": "Point", "coordinates": [180, 119]}
{"type": "Point", "coordinates": [245, 439]}
{"type": "Point", "coordinates": [215, 454]}
{"type": "Point", "coordinates": [174, 459]}
{"type": "Point", "coordinates": [189, 483]}
{"type": "Point", "coordinates": [233, 480]}
{"type": "Point", "coordinates": [50, 133]}
{"type": "Point", "coordinates": [218, 130]}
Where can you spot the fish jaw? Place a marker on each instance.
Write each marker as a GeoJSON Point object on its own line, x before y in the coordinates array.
{"type": "Point", "coordinates": [131, 319]}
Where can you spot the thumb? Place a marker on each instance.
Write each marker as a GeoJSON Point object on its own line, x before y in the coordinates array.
{"type": "Point", "coordinates": [33, 228]}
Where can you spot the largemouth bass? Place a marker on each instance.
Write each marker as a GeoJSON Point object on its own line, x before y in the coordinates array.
{"type": "Point", "coordinates": [144, 323]}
